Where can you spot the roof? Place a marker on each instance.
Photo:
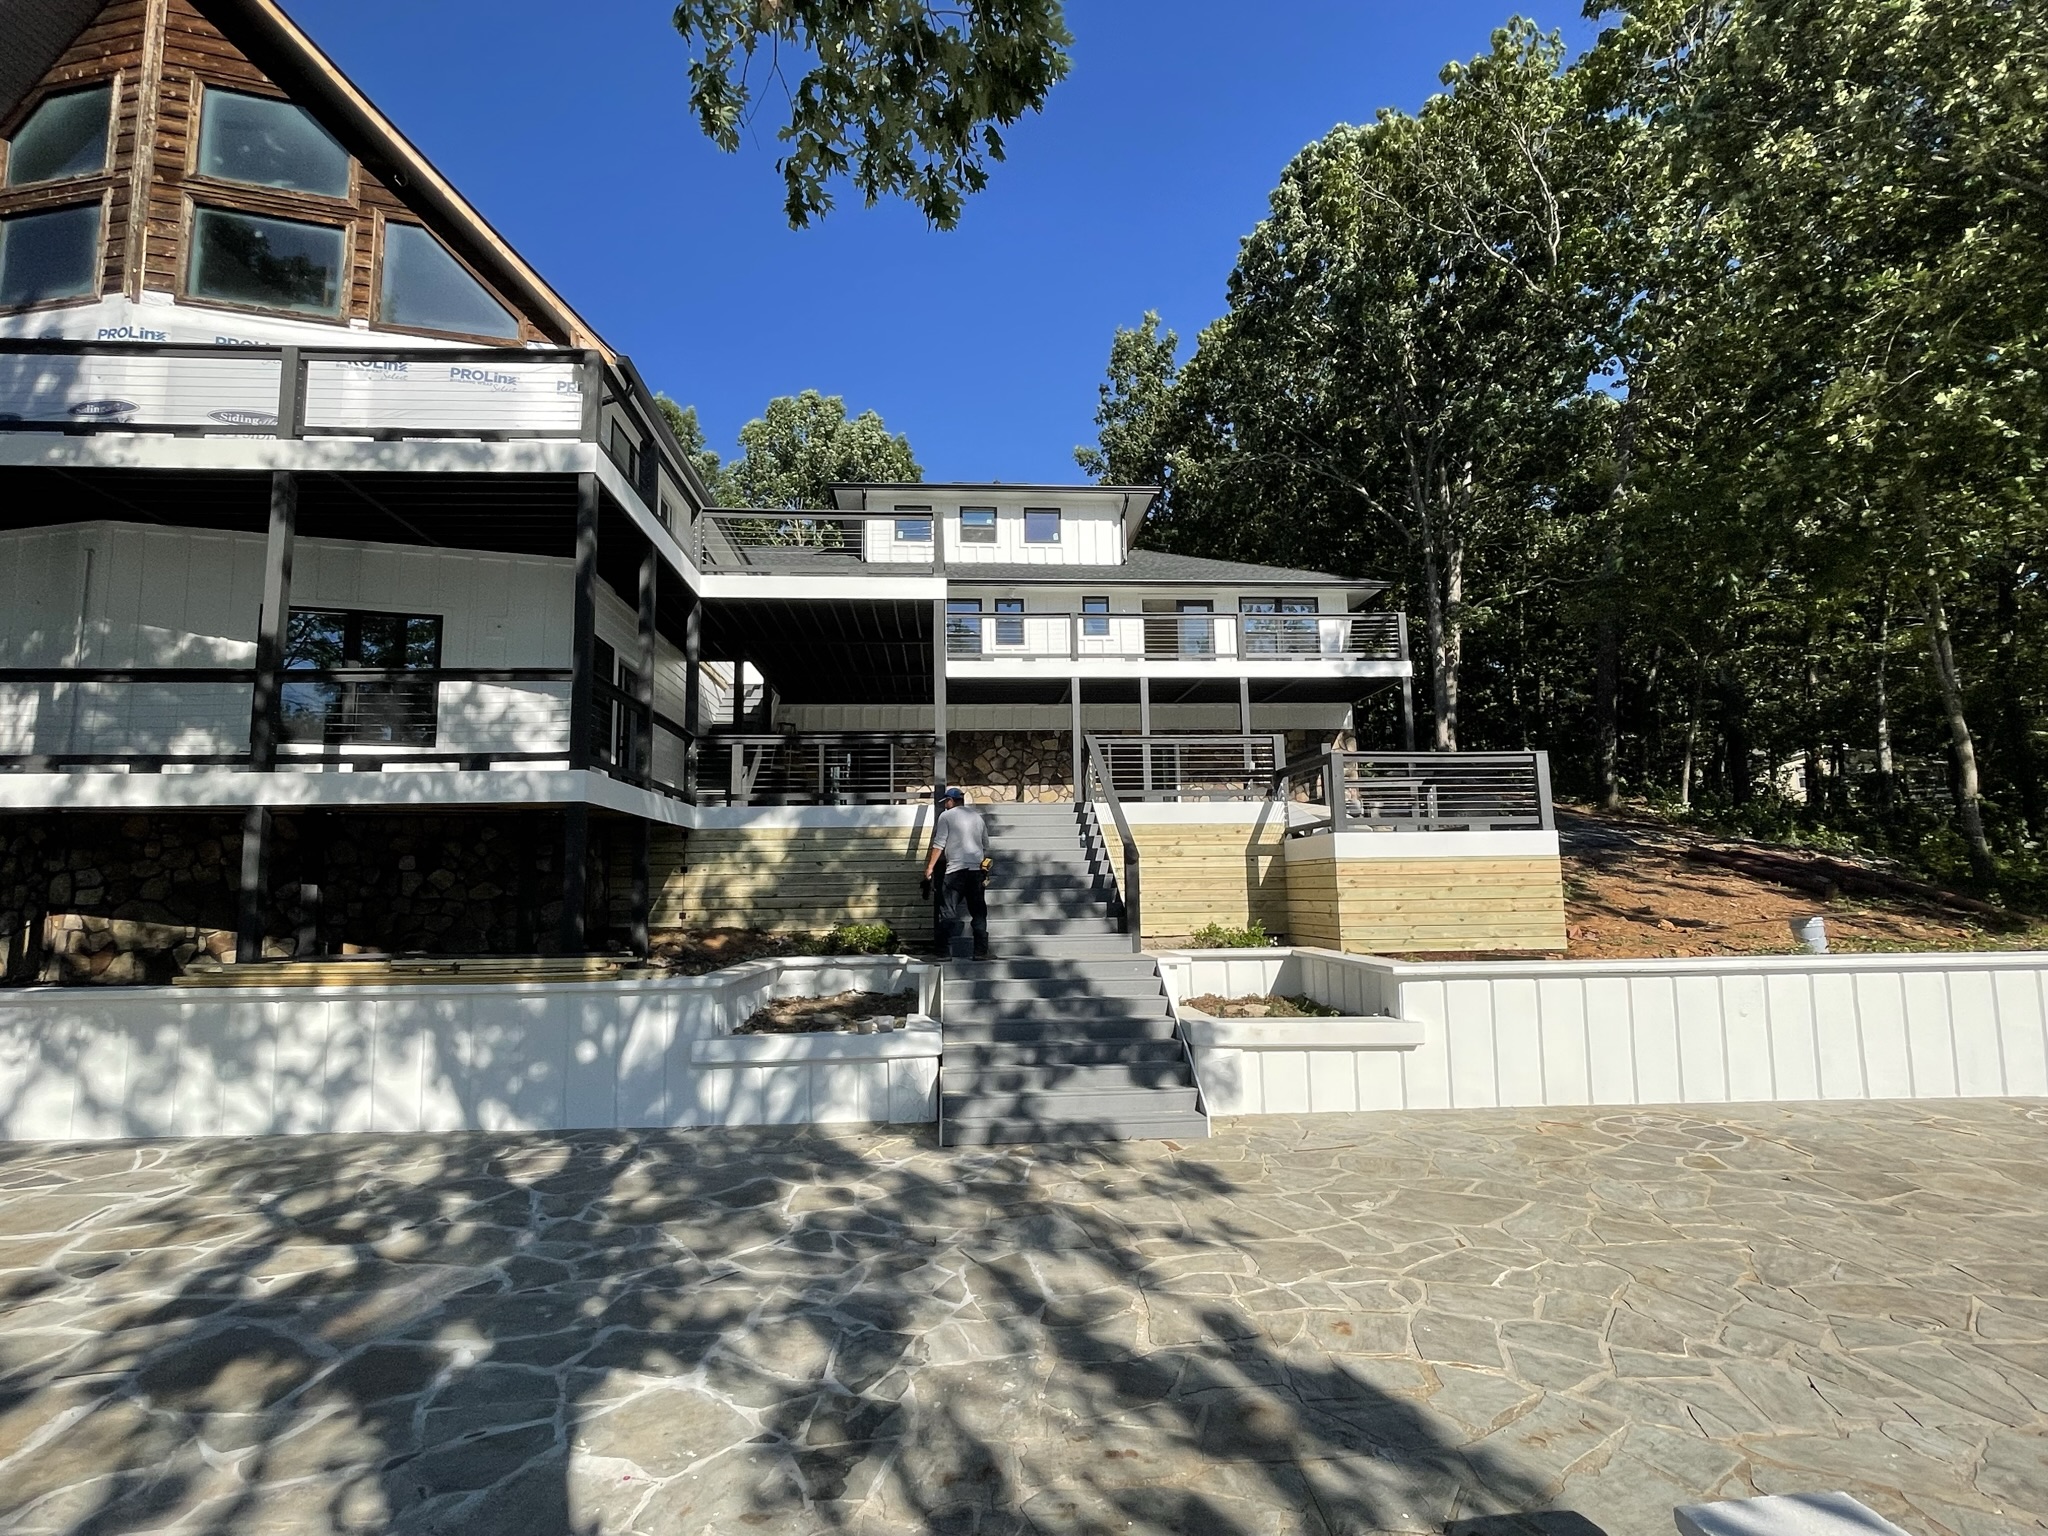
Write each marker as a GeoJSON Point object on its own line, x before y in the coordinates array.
{"type": "Point", "coordinates": [1137, 499]}
{"type": "Point", "coordinates": [37, 33]}
{"type": "Point", "coordinates": [1154, 567]}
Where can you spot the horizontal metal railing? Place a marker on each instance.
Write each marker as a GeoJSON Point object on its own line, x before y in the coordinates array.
{"type": "Point", "coordinates": [825, 768]}
{"type": "Point", "coordinates": [812, 542]}
{"type": "Point", "coordinates": [1026, 636]}
{"type": "Point", "coordinates": [1417, 791]}
{"type": "Point", "coordinates": [1190, 767]}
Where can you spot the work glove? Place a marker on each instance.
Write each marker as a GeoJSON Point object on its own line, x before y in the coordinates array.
{"type": "Point", "coordinates": [924, 888]}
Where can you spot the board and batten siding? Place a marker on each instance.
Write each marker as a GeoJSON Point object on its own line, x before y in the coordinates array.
{"type": "Point", "coordinates": [1088, 535]}
{"type": "Point", "coordinates": [123, 595]}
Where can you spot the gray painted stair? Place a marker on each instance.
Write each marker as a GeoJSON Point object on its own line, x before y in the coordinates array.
{"type": "Point", "coordinates": [1064, 1035]}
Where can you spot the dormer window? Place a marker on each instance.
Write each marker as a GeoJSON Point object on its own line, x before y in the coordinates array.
{"type": "Point", "coordinates": [267, 263]}
{"type": "Point", "coordinates": [49, 256]}
{"type": "Point", "coordinates": [269, 143]}
{"type": "Point", "coordinates": [427, 289]}
{"type": "Point", "coordinates": [1041, 525]}
{"type": "Point", "coordinates": [65, 136]}
{"type": "Point", "coordinates": [977, 525]}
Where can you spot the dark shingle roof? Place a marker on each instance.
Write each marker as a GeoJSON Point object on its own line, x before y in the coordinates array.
{"type": "Point", "coordinates": [1153, 567]}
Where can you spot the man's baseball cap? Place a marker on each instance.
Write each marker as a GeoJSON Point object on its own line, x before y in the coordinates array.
{"type": "Point", "coordinates": [954, 792]}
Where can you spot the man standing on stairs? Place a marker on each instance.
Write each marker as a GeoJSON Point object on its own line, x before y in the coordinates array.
{"type": "Point", "coordinates": [961, 839]}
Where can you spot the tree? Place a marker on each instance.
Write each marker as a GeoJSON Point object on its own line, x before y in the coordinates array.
{"type": "Point", "coordinates": [689, 433]}
{"type": "Point", "coordinates": [905, 97]}
{"type": "Point", "coordinates": [796, 450]}
{"type": "Point", "coordinates": [1133, 416]}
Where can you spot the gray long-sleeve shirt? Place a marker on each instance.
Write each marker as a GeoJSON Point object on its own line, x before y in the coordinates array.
{"type": "Point", "coordinates": [964, 835]}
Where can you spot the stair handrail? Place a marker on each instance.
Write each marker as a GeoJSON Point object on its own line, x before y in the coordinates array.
{"type": "Point", "coordinates": [1096, 777]}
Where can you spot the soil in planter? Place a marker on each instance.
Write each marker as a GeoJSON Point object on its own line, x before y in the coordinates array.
{"type": "Point", "coordinates": [1257, 1007]}
{"type": "Point", "coordinates": [826, 1015]}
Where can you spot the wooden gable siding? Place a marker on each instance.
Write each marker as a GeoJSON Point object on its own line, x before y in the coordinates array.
{"type": "Point", "coordinates": [110, 49]}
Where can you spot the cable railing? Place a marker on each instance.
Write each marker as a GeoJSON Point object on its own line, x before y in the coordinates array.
{"type": "Point", "coordinates": [815, 543]}
{"type": "Point", "coordinates": [1097, 786]}
{"type": "Point", "coordinates": [824, 768]}
{"type": "Point", "coordinates": [1191, 767]}
{"type": "Point", "coordinates": [1416, 792]}
{"type": "Point", "coordinates": [1198, 637]}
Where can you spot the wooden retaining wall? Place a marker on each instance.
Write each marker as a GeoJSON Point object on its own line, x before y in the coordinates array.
{"type": "Point", "coordinates": [791, 879]}
{"type": "Point", "coordinates": [1380, 905]}
{"type": "Point", "coordinates": [1195, 874]}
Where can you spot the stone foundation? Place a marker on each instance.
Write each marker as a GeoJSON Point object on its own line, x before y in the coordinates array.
{"type": "Point", "coordinates": [109, 899]}
{"type": "Point", "coordinates": [1012, 765]}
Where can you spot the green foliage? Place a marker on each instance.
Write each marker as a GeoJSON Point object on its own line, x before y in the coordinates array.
{"type": "Point", "coordinates": [796, 450]}
{"type": "Point", "coordinates": [1695, 398]}
{"type": "Point", "coordinates": [905, 97]}
{"type": "Point", "coordinates": [689, 433]}
{"type": "Point", "coordinates": [1219, 936]}
{"type": "Point", "coordinates": [860, 939]}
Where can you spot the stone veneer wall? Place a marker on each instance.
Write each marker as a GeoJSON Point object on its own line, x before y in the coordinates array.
{"type": "Point", "coordinates": [111, 899]}
{"type": "Point", "coordinates": [1012, 765]}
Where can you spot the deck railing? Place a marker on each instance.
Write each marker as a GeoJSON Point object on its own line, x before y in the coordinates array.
{"type": "Point", "coordinates": [1416, 792]}
{"type": "Point", "coordinates": [1096, 785]}
{"type": "Point", "coordinates": [827, 768]}
{"type": "Point", "coordinates": [1190, 767]}
{"type": "Point", "coordinates": [1032, 636]}
{"type": "Point", "coordinates": [811, 543]}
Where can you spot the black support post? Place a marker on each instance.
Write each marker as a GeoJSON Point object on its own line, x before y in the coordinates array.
{"type": "Point", "coordinates": [582, 695]}
{"type": "Point", "coordinates": [273, 624]}
{"type": "Point", "coordinates": [257, 826]}
{"type": "Point", "coordinates": [693, 694]}
{"type": "Point", "coordinates": [938, 698]}
{"type": "Point", "coordinates": [312, 877]}
{"type": "Point", "coordinates": [643, 886]}
{"type": "Point", "coordinates": [1074, 695]}
{"type": "Point", "coordinates": [643, 681]}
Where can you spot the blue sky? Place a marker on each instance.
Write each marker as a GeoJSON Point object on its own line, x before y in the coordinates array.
{"type": "Point", "coordinates": [568, 127]}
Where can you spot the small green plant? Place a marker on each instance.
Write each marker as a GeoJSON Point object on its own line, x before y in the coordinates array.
{"type": "Point", "coordinates": [1252, 935]}
{"type": "Point", "coordinates": [860, 939]}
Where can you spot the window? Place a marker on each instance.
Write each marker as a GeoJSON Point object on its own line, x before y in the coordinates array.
{"type": "Point", "coordinates": [1266, 634]}
{"type": "Point", "coordinates": [963, 626]}
{"type": "Point", "coordinates": [913, 525]}
{"type": "Point", "coordinates": [270, 263]}
{"type": "Point", "coordinates": [429, 290]}
{"type": "Point", "coordinates": [625, 453]}
{"type": "Point", "coordinates": [1041, 525]}
{"type": "Point", "coordinates": [65, 136]}
{"type": "Point", "coordinates": [45, 256]}
{"type": "Point", "coordinates": [977, 525]}
{"type": "Point", "coordinates": [1093, 627]}
{"type": "Point", "coordinates": [269, 143]}
{"type": "Point", "coordinates": [394, 711]}
{"type": "Point", "coordinates": [1009, 631]}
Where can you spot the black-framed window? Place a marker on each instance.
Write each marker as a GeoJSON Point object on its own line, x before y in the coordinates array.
{"type": "Point", "coordinates": [396, 711]}
{"type": "Point", "coordinates": [1095, 628]}
{"type": "Point", "coordinates": [65, 136]}
{"type": "Point", "coordinates": [266, 142]}
{"type": "Point", "coordinates": [1041, 525]}
{"type": "Point", "coordinates": [1271, 630]}
{"type": "Point", "coordinates": [963, 626]}
{"type": "Point", "coordinates": [425, 288]}
{"type": "Point", "coordinates": [977, 525]}
{"type": "Point", "coordinates": [1009, 631]}
{"type": "Point", "coordinates": [913, 525]}
{"type": "Point", "coordinates": [243, 258]}
{"type": "Point", "coordinates": [49, 255]}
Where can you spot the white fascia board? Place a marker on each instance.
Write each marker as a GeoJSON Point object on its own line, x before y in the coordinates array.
{"type": "Point", "coordinates": [1019, 667]}
{"type": "Point", "coordinates": [1359, 1033]}
{"type": "Point", "coordinates": [1359, 846]}
{"type": "Point", "coordinates": [783, 586]}
{"type": "Point", "coordinates": [649, 525]}
{"type": "Point", "coordinates": [312, 455]}
{"type": "Point", "coordinates": [2035, 961]}
{"type": "Point", "coordinates": [236, 788]}
{"type": "Point", "coordinates": [1188, 813]}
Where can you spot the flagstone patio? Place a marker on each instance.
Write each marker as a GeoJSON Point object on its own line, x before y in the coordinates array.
{"type": "Point", "coordinates": [1339, 1324]}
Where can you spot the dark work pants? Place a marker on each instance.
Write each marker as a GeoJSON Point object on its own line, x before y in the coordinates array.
{"type": "Point", "coordinates": [965, 904]}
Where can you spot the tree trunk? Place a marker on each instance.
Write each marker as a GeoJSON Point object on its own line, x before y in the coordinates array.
{"type": "Point", "coordinates": [1735, 738]}
{"type": "Point", "coordinates": [1692, 735]}
{"type": "Point", "coordinates": [1969, 812]}
{"type": "Point", "coordinates": [1444, 604]}
{"type": "Point", "coordinates": [1811, 749]}
{"type": "Point", "coordinates": [2015, 725]}
{"type": "Point", "coordinates": [1887, 780]}
{"type": "Point", "coordinates": [1607, 712]}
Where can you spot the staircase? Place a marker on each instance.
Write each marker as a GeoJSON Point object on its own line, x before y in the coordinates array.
{"type": "Point", "coordinates": [1065, 1035]}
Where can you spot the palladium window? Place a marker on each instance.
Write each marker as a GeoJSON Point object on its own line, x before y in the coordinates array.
{"type": "Point", "coordinates": [913, 525]}
{"type": "Point", "coordinates": [977, 525]}
{"type": "Point", "coordinates": [1041, 525]}
{"type": "Point", "coordinates": [269, 263]}
{"type": "Point", "coordinates": [269, 143]}
{"type": "Point", "coordinates": [396, 711]}
{"type": "Point", "coordinates": [427, 289]}
{"type": "Point", "coordinates": [65, 136]}
{"type": "Point", "coordinates": [45, 256]}
{"type": "Point", "coordinates": [1095, 628]}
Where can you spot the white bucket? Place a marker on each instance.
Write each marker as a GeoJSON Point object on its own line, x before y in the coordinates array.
{"type": "Point", "coordinates": [1812, 934]}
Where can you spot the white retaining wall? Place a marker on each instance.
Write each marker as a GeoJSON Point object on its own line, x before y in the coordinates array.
{"type": "Point", "coordinates": [189, 1061]}
{"type": "Point", "coordinates": [1728, 1029]}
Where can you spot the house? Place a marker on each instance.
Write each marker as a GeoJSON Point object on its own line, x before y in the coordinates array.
{"type": "Point", "coordinates": [355, 595]}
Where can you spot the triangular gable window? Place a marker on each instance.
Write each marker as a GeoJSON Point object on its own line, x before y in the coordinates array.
{"type": "Point", "coordinates": [426, 289]}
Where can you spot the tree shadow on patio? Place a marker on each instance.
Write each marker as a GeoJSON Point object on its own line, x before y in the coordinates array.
{"type": "Point", "coordinates": [658, 1332]}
